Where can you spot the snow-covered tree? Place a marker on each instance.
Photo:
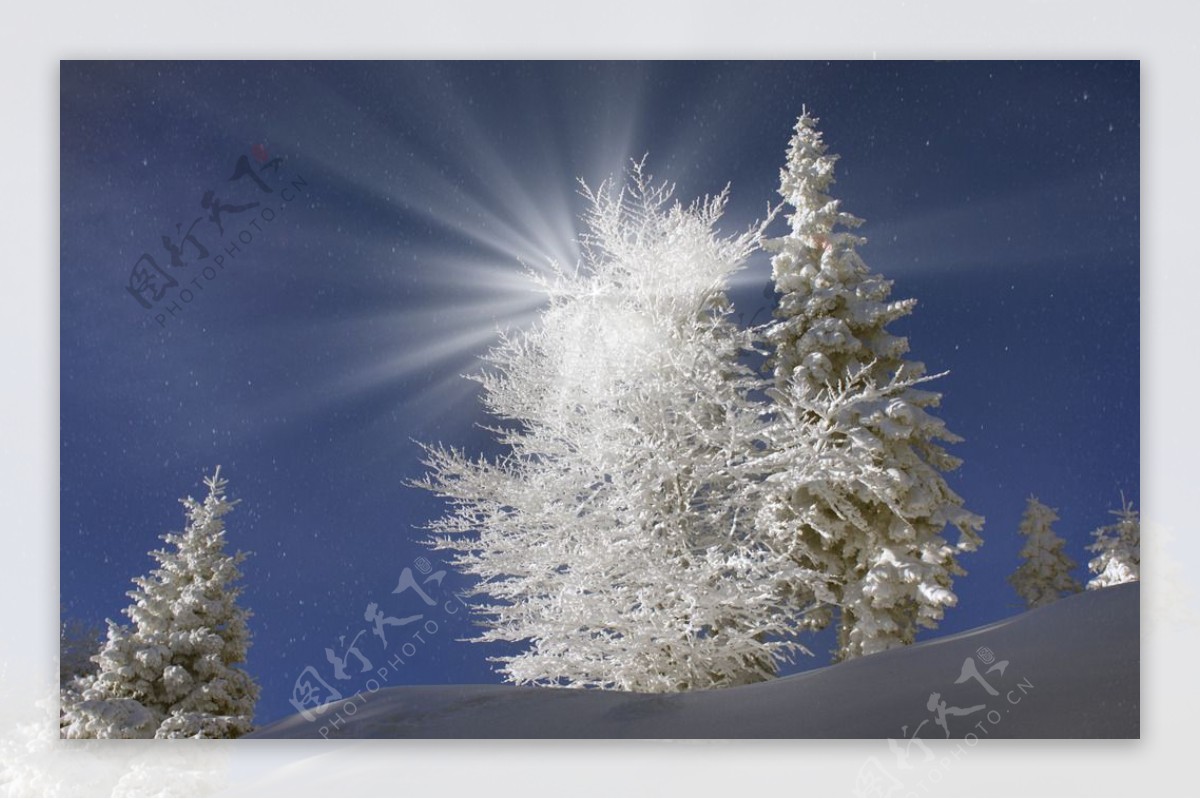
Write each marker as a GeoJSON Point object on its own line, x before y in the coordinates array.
{"type": "Point", "coordinates": [875, 535]}
{"type": "Point", "coordinates": [79, 642]}
{"type": "Point", "coordinates": [1118, 549]}
{"type": "Point", "coordinates": [1044, 576]}
{"type": "Point", "coordinates": [614, 540]}
{"type": "Point", "coordinates": [174, 671]}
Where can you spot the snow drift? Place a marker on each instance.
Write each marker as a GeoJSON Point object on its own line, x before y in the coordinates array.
{"type": "Point", "coordinates": [1066, 670]}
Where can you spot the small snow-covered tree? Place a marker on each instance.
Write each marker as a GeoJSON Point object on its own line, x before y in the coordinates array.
{"type": "Point", "coordinates": [875, 534]}
{"type": "Point", "coordinates": [79, 642]}
{"type": "Point", "coordinates": [1119, 549]}
{"type": "Point", "coordinates": [174, 672]}
{"type": "Point", "coordinates": [615, 539]}
{"type": "Point", "coordinates": [1044, 576]}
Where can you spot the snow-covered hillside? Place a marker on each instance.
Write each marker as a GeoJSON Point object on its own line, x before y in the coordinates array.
{"type": "Point", "coordinates": [1067, 670]}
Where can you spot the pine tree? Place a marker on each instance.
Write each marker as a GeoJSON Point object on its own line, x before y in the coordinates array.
{"type": "Point", "coordinates": [1045, 574]}
{"type": "Point", "coordinates": [875, 534]}
{"type": "Point", "coordinates": [1119, 549]}
{"type": "Point", "coordinates": [614, 540]}
{"type": "Point", "coordinates": [174, 671]}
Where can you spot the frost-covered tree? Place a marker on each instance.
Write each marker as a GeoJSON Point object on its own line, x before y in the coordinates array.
{"type": "Point", "coordinates": [614, 540]}
{"type": "Point", "coordinates": [1044, 575]}
{"type": "Point", "coordinates": [1118, 549]}
{"type": "Point", "coordinates": [174, 671]}
{"type": "Point", "coordinates": [876, 535]}
{"type": "Point", "coordinates": [79, 641]}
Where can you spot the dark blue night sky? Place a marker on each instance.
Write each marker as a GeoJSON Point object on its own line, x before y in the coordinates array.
{"type": "Point", "coordinates": [1004, 196]}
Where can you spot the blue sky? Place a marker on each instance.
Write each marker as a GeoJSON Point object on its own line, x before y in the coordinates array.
{"type": "Point", "coordinates": [1003, 196]}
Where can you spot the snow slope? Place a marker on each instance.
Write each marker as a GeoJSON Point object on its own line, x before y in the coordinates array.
{"type": "Point", "coordinates": [1072, 672]}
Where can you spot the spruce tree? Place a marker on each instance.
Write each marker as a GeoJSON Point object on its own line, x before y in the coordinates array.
{"type": "Point", "coordinates": [1044, 576]}
{"type": "Point", "coordinates": [174, 671]}
{"type": "Point", "coordinates": [1119, 549]}
{"type": "Point", "coordinates": [875, 534]}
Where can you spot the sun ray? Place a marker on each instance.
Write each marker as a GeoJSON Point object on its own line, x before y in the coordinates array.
{"type": "Point", "coordinates": [498, 221]}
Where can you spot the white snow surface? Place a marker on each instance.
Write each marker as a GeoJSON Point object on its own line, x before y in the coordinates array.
{"type": "Point", "coordinates": [1072, 667]}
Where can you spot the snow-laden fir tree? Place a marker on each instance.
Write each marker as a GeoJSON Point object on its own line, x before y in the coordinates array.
{"type": "Point", "coordinates": [878, 543]}
{"type": "Point", "coordinates": [175, 670]}
{"type": "Point", "coordinates": [1118, 549]}
{"type": "Point", "coordinates": [1044, 575]}
{"type": "Point", "coordinates": [614, 541]}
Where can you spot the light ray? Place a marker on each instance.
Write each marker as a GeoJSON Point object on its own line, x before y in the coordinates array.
{"type": "Point", "coordinates": [502, 220]}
